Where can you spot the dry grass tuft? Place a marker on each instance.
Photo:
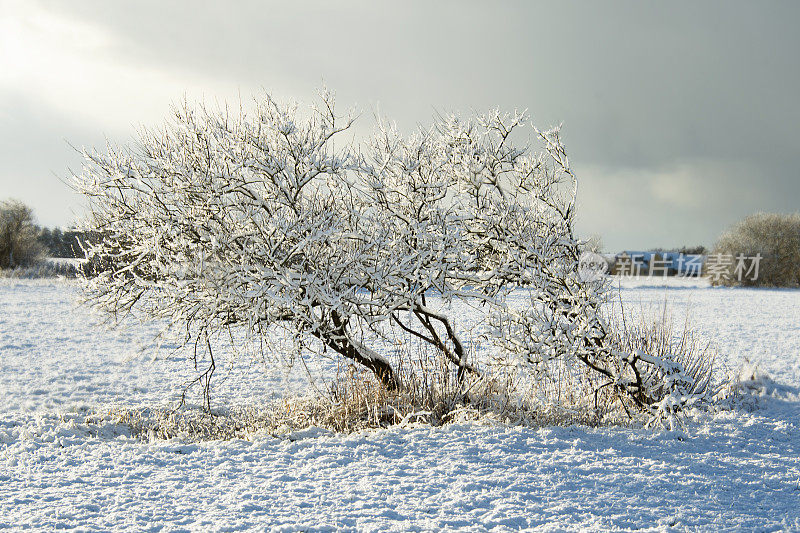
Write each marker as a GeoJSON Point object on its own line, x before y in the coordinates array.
{"type": "Point", "coordinates": [354, 400]}
{"type": "Point", "coordinates": [658, 337]}
{"type": "Point", "coordinates": [431, 394]}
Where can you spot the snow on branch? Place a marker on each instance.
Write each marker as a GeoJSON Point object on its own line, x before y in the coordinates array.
{"type": "Point", "coordinates": [262, 220]}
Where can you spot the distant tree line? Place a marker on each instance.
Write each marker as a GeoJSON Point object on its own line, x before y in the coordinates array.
{"type": "Point", "coordinates": [60, 243]}
{"type": "Point", "coordinates": [685, 250]}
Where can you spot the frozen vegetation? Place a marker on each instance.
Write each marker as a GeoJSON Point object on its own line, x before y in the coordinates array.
{"type": "Point", "coordinates": [64, 465]}
{"type": "Point", "coordinates": [264, 223]}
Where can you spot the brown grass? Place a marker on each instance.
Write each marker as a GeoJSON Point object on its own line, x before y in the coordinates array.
{"type": "Point", "coordinates": [353, 400]}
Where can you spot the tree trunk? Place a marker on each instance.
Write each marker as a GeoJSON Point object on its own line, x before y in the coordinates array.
{"type": "Point", "coordinates": [457, 355]}
{"type": "Point", "coordinates": [341, 343]}
{"type": "Point", "coordinates": [382, 370]}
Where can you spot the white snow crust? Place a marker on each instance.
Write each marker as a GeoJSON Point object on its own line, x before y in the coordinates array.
{"type": "Point", "coordinates": [727, 471]}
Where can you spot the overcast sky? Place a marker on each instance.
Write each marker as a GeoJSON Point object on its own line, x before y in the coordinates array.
{"type": "Point", "coordinates": [679, 117]}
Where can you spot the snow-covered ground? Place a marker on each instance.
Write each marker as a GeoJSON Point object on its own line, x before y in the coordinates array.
{"type": "Point", "coordinates": [733, 470]}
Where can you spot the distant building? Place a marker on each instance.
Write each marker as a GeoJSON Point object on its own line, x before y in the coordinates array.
{"type": "Point", "coordinates": [641, 263]}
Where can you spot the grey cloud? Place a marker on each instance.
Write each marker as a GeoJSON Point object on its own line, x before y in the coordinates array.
{"type": "Point", "coordinates": [637, 83]}
{"type": "Point", "coordinates": [640, 87]}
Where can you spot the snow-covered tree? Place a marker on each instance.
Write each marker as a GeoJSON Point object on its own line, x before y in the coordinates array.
{"type": "Point", "coordinates": [262, 220]}
{"type": "Point", "coordinates": [18, 235]}
{"type": "Point", "coordinates": [761, 250]}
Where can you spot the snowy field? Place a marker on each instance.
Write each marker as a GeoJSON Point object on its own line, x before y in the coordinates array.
{"type": "Point", "coordinates": [731, 470]}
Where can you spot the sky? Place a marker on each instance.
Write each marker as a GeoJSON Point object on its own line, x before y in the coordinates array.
{"type": "Point", "coordinates": [679, 118]}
